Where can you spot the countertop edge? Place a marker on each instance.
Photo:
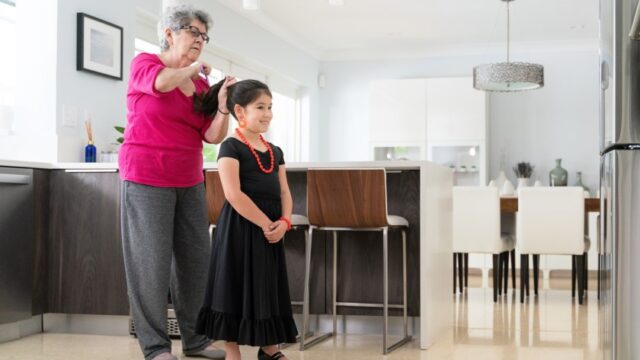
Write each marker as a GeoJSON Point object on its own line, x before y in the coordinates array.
{"type": "Point", "coordinates": [389, 165]}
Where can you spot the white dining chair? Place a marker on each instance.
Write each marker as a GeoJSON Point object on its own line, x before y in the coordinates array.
{"type": "Point", "coordinates": [550, 221]}
{"type": "Point", "coordinates": [477, 229]}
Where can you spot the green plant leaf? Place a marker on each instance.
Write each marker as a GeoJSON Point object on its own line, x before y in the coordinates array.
{"type": "Point", "coordinates": [119, 129]}
{"type": "Point", "coordinates": [209, 152]}
{"type": "Point", "coordinates": [120, 140]}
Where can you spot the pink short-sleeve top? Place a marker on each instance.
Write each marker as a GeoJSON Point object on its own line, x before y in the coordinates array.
{"type": "Point", "coordinates": [163, 136]}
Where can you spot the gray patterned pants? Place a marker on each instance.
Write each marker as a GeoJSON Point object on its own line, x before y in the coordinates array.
{"type": "Point", "coordinates": [166, 246]}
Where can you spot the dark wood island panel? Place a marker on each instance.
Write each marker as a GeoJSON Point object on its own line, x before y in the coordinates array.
{"type": "Point", "coordinates": [86, 268]}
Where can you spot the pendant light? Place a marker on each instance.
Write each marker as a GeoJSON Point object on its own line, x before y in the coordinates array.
{"type": "Point", "coordinates": [251, 4]}
{"type": "Point", "coordinates": [508, 76]}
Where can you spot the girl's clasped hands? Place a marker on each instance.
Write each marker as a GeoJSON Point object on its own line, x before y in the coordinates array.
{"type": "Point", "coordinates": [275, 231]}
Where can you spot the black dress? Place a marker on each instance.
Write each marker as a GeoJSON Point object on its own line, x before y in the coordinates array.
{"type": "Point", "coordinates": [247, 299]}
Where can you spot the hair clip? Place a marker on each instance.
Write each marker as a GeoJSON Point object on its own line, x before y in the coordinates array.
{"type": "Point", "coordinates": [206, 78]}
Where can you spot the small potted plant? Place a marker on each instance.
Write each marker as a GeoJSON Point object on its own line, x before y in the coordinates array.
{"type": "Point", "coordinates": [523, 171]}
{"type": "Point", "coordinates": [119, 129]}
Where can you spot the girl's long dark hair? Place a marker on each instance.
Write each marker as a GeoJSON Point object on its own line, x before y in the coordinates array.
{"type": "Point", "coordinates": [241, 93]}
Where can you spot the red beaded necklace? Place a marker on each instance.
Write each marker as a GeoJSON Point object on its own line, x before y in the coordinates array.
{"type": "Point", "coordinates": [253, 151]}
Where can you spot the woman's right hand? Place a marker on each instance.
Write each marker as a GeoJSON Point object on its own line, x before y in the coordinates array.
{"type": "Point", "coordinates": [196, 67]}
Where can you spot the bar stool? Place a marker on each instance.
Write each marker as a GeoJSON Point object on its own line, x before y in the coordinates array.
{"type": "Point", "coordinates": [215, 197]}
{"type": "Point", "coordinates": [352, 200]}
{"type": "Point", "coordinates": [301, 223]}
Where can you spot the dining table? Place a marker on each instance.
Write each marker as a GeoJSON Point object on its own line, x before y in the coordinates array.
{"type": "Point", "coordinates": [509, 204]}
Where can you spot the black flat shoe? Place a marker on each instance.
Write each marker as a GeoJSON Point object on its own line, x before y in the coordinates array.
{"type": "Point", "coordinates": [264, 356]}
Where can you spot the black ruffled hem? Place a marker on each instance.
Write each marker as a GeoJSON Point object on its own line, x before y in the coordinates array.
{"type": "Point", "coordinates": [228, 327]}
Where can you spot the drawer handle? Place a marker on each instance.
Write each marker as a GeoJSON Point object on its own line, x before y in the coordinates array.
{"type": "Point", "coordinates": [15, 179]}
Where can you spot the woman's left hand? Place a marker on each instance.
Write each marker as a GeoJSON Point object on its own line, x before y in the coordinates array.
{"type": "Point", "coordinates": [222, 95]}
{"type": "Point", "coordinates": [278, 229]}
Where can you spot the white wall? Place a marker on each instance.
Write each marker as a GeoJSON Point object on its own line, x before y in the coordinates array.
{"type": "Point", "coordinates": [98, 97]}
{"type": "Point", "coordinates": [34, 136]}
{"type": "Point", "coordinates": [558, 121]}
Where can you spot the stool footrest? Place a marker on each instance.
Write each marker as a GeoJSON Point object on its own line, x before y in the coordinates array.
{"type": "Point", "coordinates": [320, 338]}
{"type": "Point", "coordinates": [368, 305]}
{"type": "Point", "coordinates": [401, 342]}
{"type": "Point", "coordinates": [286, 345]}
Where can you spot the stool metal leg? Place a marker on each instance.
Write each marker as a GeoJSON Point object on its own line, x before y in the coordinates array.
{"type": "Point", "coordinates": [335, 282]}
{"type": "Point", "coordinates": [404, 283]}
{"type": "Point", "coordinates": [305, 305]}
{"type": "Point", "coordinates": [385, 287]}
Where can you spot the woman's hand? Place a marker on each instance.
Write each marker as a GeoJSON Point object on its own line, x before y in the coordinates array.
{"type": "Point", "coordinates": [276, 231]}
{"type": "Point", "coordinates": [199, 67]}
{"type": "Point", "coordinates": [222, 95]}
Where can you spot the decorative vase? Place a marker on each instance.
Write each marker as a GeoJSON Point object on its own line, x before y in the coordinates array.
{"type": "Point", "coordinates": [558, 175]}
{"type": "Point", "coordinates": [507, 189]}
{"type": "Point", "coordinates": [579, 181]}
{"type": "Point", "coordinates": [522, 183]}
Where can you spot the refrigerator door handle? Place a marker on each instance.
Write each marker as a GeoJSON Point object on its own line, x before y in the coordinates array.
{"type": "Point", "coordinates": [634, 34]}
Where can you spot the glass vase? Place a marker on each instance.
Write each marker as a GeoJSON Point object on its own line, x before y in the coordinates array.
{"type": "Point", "coordinates": [579, 181]}
{"type": "Point", "coordinates": [558, 175]}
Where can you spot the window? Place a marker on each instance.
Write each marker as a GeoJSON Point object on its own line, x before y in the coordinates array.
{"type": "Point", "coordinates": [284, 129]}
{"type": "Point", "coordinates": [145, 46]}
{"type": "Point", "coordinates": [8, 64]}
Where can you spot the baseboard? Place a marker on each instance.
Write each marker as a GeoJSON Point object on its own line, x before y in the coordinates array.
{"type": "Point", "coordinates": [119, 325]}
{"type": "Point", "coordinates": [20, 329]}
{"type": "Point", "coordinates": [86, 324]}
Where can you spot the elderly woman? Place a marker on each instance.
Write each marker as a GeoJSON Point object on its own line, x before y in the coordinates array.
{"type": "Point", "coordinates": [164, 222]}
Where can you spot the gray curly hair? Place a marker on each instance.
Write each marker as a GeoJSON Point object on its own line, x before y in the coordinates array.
{"type": "Point", "coordinates": [175, 17]}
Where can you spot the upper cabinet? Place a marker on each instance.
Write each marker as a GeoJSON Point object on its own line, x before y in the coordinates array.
{"type": "Point", "coordinates": [408, 111]}
{"type": "Point", "coordinates": [439, 119]}
{"type": "Point", "coordinates": [455, 110]}
{"type": "Point", "coordinates": [398, 111]}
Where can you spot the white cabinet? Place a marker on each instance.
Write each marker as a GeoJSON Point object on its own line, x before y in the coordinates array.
{"type": "Point", "coordinates": [398, 111]}
{"type": "Point", "coordinates": [439, 119]}
{"type": "Point", "coordinates": [455, 110]}
{"type": "Point", "coordinates": [457, 128]}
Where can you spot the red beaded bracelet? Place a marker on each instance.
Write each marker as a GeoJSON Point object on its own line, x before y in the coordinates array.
{"type": "Point", "coordinates": [287, 221]}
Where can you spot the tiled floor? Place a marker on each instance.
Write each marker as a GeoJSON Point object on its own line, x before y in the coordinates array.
{"type": "Point", "coordinates": [549, 327]}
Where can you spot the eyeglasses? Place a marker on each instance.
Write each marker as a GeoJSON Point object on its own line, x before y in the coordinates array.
{"type": "Point", "coordinates": [195, 32]}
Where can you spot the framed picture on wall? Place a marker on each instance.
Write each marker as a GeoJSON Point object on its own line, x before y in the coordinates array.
{"type": "Point", "coordinates": [99, 48]}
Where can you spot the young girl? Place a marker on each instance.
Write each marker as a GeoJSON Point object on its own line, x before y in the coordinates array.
{"type": "Point", "coordinates": [247, 299]}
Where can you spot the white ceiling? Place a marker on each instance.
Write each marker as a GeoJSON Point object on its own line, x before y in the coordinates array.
{"type": "Point", "coordinates": [374, 29]}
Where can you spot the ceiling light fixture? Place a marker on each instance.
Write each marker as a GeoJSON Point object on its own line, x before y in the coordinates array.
{"type": "Point", "coordinates": [251, 4]}
{"type": "Point", "coordinates": [508, 76]}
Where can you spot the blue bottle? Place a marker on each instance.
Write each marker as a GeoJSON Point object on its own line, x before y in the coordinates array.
{"type": "Point", "coordinates": [90, 152]}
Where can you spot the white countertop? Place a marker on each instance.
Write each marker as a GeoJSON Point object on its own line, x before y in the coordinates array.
{"type": "Point", "coordinates": [389, 165]}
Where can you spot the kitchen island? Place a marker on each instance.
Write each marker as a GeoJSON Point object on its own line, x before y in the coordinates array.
{"type": "Point", "coordinates": [84, 247]}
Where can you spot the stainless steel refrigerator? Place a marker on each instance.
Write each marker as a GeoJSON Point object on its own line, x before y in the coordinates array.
{"type": "Point", "coordinates": [619, 240]}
